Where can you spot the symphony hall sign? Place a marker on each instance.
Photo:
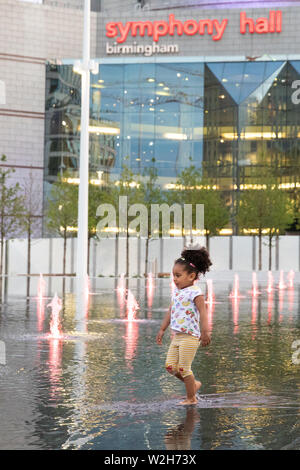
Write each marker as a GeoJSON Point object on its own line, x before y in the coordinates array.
{"type": "Point", "coordinates": [173, 27]}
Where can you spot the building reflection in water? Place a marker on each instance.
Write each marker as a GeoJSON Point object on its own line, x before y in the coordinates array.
{"type": "Point", "coordinates": [270, 306]}
{"type": "Point", "coordinates": [132, 328]}
{"type": "Point", "coordinates": [131, 341]}
{"type": "Point", "coordinates": [281, 298]}
{"type": "Point", "coordinates": [254, 315]}
{"type": "Point", "coordinates": [40, 312]}
{"type": "Point", "coordinates": [179, 438]}
{"type": "Point", "coordinates": [235, 302]}
{"type": "Point", "coordinates": [150, 288]}
{"type": "Point", "coordinates": [210, 303]}
{"type": "Point", "coordinates": [291, 302]}
{"type": "Point", "coordinates": [121, 295]}
{"type": "Point", "coordinates": [55, 357]}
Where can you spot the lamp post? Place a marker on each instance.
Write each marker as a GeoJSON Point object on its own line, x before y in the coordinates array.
{"type": "Point", "coordinates": [84, 67]}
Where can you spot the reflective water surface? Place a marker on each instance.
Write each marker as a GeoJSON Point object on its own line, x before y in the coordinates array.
{"type": "Point", "coordinates": [105, 386]}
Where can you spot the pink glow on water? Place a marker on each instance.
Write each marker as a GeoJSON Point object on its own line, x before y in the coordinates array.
{"type": "Point", "coordinates": [210, 292]}
{"type": "Point", "coordinates": [254, 309]}
{"type": "Point", "coordinates": [40, 313]}
{"type": "Point", "coordinates": [270, 282]}
{"type": "Point", "coordinates": [291, 276]}
{"type": "Point", "coordinates": [41, 289]}
{"type": "Point", "coordinates": [235, 311]}
{"type": "Point", "coordinates": [281, 284]}
{"type": "Point", "coordinates": [150, 289]}
{"type": "Point", "coordinates": [55, 326]}
{"type": "Point", "coordinates": [255, 291]}
{"type": "Point", "coordinates": [121, 293]}
{"type": "Point", "coordinates": [131, 306]}
{"type": "Point", "coordinates": [291, 299]}
{"type": "Point", "coordinates": [254, 316]}
{"type": "Point", "coordinates": [131, 339]}
{"type": "Point", "coordinates": [270, 306]}
{"type": "Point", "coordinates": [235, 292]}
{"type": "Point", "coordinates": [281, 297]}
{"type": "Point", "coordinates": [87, 288]}
{"type": "Point", "coordinates": [55, 356]}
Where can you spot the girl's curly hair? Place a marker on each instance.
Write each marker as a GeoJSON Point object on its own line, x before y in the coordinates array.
{"type": "Point", "coordinates": [195, 259]}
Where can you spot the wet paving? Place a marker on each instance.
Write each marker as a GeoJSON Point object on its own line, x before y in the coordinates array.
{"type": "Point", "coordinates": [104, 386]}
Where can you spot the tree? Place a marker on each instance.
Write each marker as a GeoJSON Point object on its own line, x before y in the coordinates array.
{"type": "Point", "coordinates": [97, 196]}
{"type": "Point", "coordinates": [265, 209]}
{"type": "Point", "coordinates": [194, 189]}
{"type": "Point", "coordinates": [31, 217]}
{"type": "Point", "coordinates": [62, 211]}
{"type": "Point", "coordinates": [11, 210]}
{"type": "Point", "coordinates": [150, 193]}
{"type": "Point", "coordinates": [279, 215]}
{"type": "Point", "coordinates": [128, 185]}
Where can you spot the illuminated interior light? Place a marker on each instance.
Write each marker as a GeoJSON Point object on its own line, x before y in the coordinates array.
{"type": "Point", "coordinates": [175, 136]}
{"type": "Point", "coordinates": [225, 231]}
{"type": "Point", "coordinates": [150, 80]}
{"type": "Point", "coordinates": [104, 130]}
{"type": "Point", "coordinates": [163, 93]}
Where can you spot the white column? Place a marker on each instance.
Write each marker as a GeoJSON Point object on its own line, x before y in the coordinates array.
{"type": "Point", "coordinates": [82, 237]}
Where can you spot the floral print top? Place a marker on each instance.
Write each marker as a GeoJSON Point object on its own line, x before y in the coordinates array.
{"type": "Point", "coordinates": [185, 316]}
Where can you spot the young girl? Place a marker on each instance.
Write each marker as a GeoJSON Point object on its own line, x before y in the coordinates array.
{"type": "Point", "coordinates": [186, 310]}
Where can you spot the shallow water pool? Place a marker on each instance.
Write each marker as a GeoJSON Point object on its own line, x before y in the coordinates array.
{"type": "Point", "coordinates": [105, 386]}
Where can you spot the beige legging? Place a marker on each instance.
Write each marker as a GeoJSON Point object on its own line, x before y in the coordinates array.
{"type": "Point", "coordinates": [181, 353]}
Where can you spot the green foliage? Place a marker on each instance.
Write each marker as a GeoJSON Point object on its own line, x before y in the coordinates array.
{"type": "Point", "coordinates": [194, 190]}
{"type": "Point", "coordinates": [11, 203]}
{"type": "Point", "coordinates": [62, 211]}
{"type": "Point", "coordinates": [267, 208]}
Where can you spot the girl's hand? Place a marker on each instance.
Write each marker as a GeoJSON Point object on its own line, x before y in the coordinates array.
{"type": "Point", "coordinates": [205, 339]}
{"type": "Point", "coordinates": [159, 337]}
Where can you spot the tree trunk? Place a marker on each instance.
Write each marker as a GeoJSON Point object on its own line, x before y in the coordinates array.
{"type": "Point", "coordinates": [127, 253]}
{"type": "Point", "coordinates": [146, 256]}
{"type": "Point", "coordinates": [28, 259]}
{"type": "Point", "coordinates": [1, 264]}
{"type": "Point", "coordinates": [88, 256]}
{"type": "Point", "coordinates": [65, 253]}
{"type": "Point", "coordinates": [270, 253]}
{"type": "Point", "coordinates": [64, 260]}
{"type": "Point", "coordinates": [207, 241]}
{"type": "Point", "coordinates": [259, 250]}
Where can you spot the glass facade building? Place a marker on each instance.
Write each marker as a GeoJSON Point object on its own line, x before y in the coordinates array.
{"type": "Point", "coordinates": [226, 118]}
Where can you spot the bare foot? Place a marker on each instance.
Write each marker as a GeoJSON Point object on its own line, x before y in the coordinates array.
{"type": "Point", "coordinates": [197, 385]}
{"type": "Point", "coordinates": [189, 402]}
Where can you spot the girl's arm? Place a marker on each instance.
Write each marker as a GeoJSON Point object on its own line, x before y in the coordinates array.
{"type": "Point", "coordinates": [164, 326]}
{"type": "Point", "coordinates": [200, 304]}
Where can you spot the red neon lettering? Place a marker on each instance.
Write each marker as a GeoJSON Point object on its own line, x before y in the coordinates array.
{"type": "Point", "coordinates": [111, 30]}
{"type": "Point", "coordinates": [278, 21]}
{"type": "Point", "coordinates": [141, 25]}
{"type": "Point", "coordinates": [190, 27]}
{"type": "Point", "coordinates": [202, 24]}
{"type": "Point", "coordinates": [175, 23]}
{"type": "Point", "coordinates": [244, 22]}
{"type": "Point", "coordinates": [160, 28]}
{"type": "Point", "coordinates": [220, 28]}
{"type": "Point", "coordinates": [262, 25]}
{"type": "Point", "coordinates": [214, 27]}
{"type": "Point", "coordinates": [124, 30]}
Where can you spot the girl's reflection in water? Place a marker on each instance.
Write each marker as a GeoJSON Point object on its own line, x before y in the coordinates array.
{"type": "Point", "coordinates": [179, 438]}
